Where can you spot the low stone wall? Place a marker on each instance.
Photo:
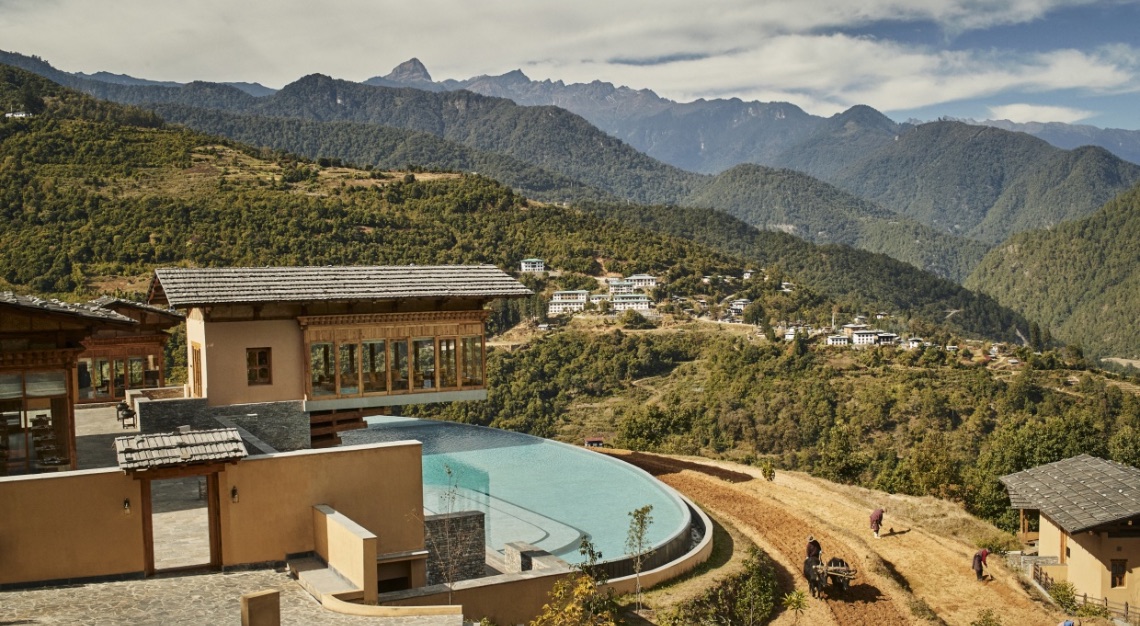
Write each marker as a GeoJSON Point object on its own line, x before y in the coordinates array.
{"type": "Point", "coordinates": [455, 541]}
{"type": "Point", "coordinates": [283, 425]}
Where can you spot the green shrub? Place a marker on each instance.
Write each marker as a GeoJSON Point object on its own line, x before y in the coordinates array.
{"type": "Point", "coordinates": [1065, 595]}
{"type": "Point", "coordinates": [747, 598]}
{"type": "Point", "coordinates": [986, 617]}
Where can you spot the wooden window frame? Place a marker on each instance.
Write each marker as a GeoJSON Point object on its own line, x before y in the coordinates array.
{"type": "Point", "coordinates": [1115, 582]}
{"type": "Point", "coordinates": [268, 366]}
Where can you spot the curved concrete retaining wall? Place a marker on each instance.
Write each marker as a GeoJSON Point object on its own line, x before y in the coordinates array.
{"type": "Point", "coordinates": [668, 571]}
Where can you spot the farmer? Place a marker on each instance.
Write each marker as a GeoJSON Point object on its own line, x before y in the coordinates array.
{"type": "Point", "coordinates": [980, 561]}
{"type": "Point", "coordinates": [813, 548]}
{"type": "Point", "coordinates": [876, 521]}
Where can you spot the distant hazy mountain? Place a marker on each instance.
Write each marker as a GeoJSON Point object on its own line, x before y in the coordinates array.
{"type": "Point", "coordinates": [1081, 279]}
{"type": "Point", "coordinates": [75, 80]}
{"type": "Point", "coordinates": [985, 183]}
{"type": "Point", "coordinates": [1123, 143]}
{"type": "Point", "coordinates": [713, 135]}
{"type": "Point", "coordinates": [701, 136]}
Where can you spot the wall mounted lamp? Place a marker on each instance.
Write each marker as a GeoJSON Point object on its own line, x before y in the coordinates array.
{"type": "Point", "coordinates": [126, 506]}
{"type": "Point", "coordinates": [233, 494]}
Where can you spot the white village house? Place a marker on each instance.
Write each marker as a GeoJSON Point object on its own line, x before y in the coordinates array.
{"type": "Point", "coordinates": [532, 266]}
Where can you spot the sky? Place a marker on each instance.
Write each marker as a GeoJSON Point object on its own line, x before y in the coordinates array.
{"type": "Point", "coordinates": [1073, 61]}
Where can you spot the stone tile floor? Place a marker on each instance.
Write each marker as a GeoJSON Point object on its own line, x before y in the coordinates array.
{"type": "Point", "coordinates": [200, 600]}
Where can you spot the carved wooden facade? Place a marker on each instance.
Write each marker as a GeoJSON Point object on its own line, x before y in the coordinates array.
{"type": "Point", "coordinates": [40, 343]}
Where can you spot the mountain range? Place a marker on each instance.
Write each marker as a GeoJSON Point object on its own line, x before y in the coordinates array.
{"type": "Point", "coordinates": [91, 190]}
{"type": "Point", "coordinates": [935, 195]}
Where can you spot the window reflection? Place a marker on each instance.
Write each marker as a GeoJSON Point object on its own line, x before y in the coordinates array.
{"type": "Point", "coordinates": [425, 363]}
{"type": "Point", "coordinates": [322, 365]}
{"type": "Point", "coordinates": [472, 361]}
{"type": "Point", "coordinates": [400, 366]}
{"type": "Point", "coordinates": [448, 358]}
{"type": "Point", "coordinates": [349, 370]}
{"type": "Point", "coordinates": [374, 366]}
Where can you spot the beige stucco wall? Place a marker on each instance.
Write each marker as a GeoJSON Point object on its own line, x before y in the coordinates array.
{"type": "Point", "coordinates": [223, 355]}
{"type": "Point", "coordinates": [73, 524]}
{"type": "Point", "coordinates": [1049, 540]}
{"type": "Point", "coordinates": [69, 525]}
{"type": "Point", "coordinates": [349, 548]}
{"type": "Point", "coordinates": [378, 486]}
{"type": "Point", "coordinates": [1092, 555]}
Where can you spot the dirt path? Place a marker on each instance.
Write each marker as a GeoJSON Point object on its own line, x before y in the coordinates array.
{"type": "Point", "coordinates": [909, 576]}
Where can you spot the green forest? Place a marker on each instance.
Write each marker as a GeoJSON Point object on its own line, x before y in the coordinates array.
{"type": "Point", "coordinates": [1080, 279]}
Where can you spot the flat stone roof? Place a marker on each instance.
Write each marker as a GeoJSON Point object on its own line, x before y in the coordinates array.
{"type": "Point", "coordinates": [186, 447]}
{"type": "Point", "coordinates": [1078, 493]}
{"type": "Point", "coordinates": [185, 287]}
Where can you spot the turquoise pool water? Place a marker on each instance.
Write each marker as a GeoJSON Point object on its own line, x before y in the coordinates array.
{"type": "Point", "coordinates": [543, 492]}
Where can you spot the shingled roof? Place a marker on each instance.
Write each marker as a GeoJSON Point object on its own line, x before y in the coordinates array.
{"type": "Point", "coordinates": [182, 447]}
{"type": "Point", "coordinates": [110, 303]}
{"type": "Point", "coordinates": [184, 287]}
{"type": "Point", "coordinates": [1077, 493]}
{"type": "Point", "coordinates": [84, 311]}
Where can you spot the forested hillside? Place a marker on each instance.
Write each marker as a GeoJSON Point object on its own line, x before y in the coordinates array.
{"type": "Point", "coordinates": [1081, 279]}
{"type": "Point", "coordinates": [382, 147]}
{"type": "Point", "coordinates": [857, 280]}
{"type": "Point", "coordinates": [985, 183]}
{"type": "Point", "coordinates": [88, 198]}
{"type": "Point", "coordinates": [791, 202]}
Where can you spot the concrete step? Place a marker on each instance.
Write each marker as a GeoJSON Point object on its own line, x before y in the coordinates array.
{"type": "Point", "coordinates": [320, 580]}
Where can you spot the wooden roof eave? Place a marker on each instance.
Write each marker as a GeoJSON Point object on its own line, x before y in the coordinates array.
{"type": "Point", "coordinates": [179, 471]}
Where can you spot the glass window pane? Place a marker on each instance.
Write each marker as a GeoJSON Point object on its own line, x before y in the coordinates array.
{"type": "Point", "coordinates": [101, 378]}
{"type": "Point", "coordinates": [400, 366]}
{"type": "Point", "coordinates": [43, 384]}
{"type": "Point", "coordinates": [11, 386]}
{"type": "Point", "coordinates": [86, 381]}
{"type": "Point", "coordinates": [322, 369]}
{"type": "Point", "coordinates": [472, 361]}
{"type": "Point", "coordinates": [120, 377]}
{"type": "Point", "coordinates": [447, 364]}
{"type": "Point", "coordinates": [374, 366]}
{"type": "Point", "coordinates": [425, 363]}
{"type": "Point", "coordinates": [349, 370]}
{"type": "Point", "coordinates": [135, 368]}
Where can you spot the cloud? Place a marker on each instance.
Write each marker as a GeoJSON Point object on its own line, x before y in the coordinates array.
{"type": "Point", "coordinates": [1024, 113]}
{"type": "Point", "coordinates": [800, 51]}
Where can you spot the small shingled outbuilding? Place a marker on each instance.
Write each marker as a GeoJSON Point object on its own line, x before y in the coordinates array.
{"type": "Point", "coordinates": [1089, 524]}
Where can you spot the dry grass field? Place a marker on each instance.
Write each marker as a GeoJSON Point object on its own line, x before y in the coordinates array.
{"type": "Point", "coordinates": [917, 573]}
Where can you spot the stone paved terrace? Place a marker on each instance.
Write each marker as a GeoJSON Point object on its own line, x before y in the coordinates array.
{"type": "Point", "coordinates": [198, 600]}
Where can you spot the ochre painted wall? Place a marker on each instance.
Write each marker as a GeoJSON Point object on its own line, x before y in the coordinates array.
{"type": "Point", "coordinates": [378, 486]}
{"type": "Point", "coordinates": [1092, 557]}
{"type": "Point", "coordinates": [1049, 540]}
{"type": "Point", "coordinates": [70, 525]}
{"type": "Point", "coordinates": [224, 356]}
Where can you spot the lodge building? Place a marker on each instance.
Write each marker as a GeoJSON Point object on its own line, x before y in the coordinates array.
{"type": "Point", "coordinates": [332, 345]}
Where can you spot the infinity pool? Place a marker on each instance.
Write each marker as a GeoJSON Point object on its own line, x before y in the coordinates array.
{"type": "Point", "coordinates": [543, 492]}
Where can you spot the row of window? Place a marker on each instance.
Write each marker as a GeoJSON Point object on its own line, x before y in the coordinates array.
{"type": "Point", "coordinates": [389, 366]}
{"type": "Point", "coordinates": [381, 366]}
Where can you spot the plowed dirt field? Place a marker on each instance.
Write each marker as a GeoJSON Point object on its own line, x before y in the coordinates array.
{"type": "Point", "coordinates": [917, 573]}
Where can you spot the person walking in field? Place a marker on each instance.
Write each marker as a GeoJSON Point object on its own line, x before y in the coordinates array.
{"type": "Point", "coordinates": [980, 562]}
{"type": "Point", "coordinates": [877, 521]}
